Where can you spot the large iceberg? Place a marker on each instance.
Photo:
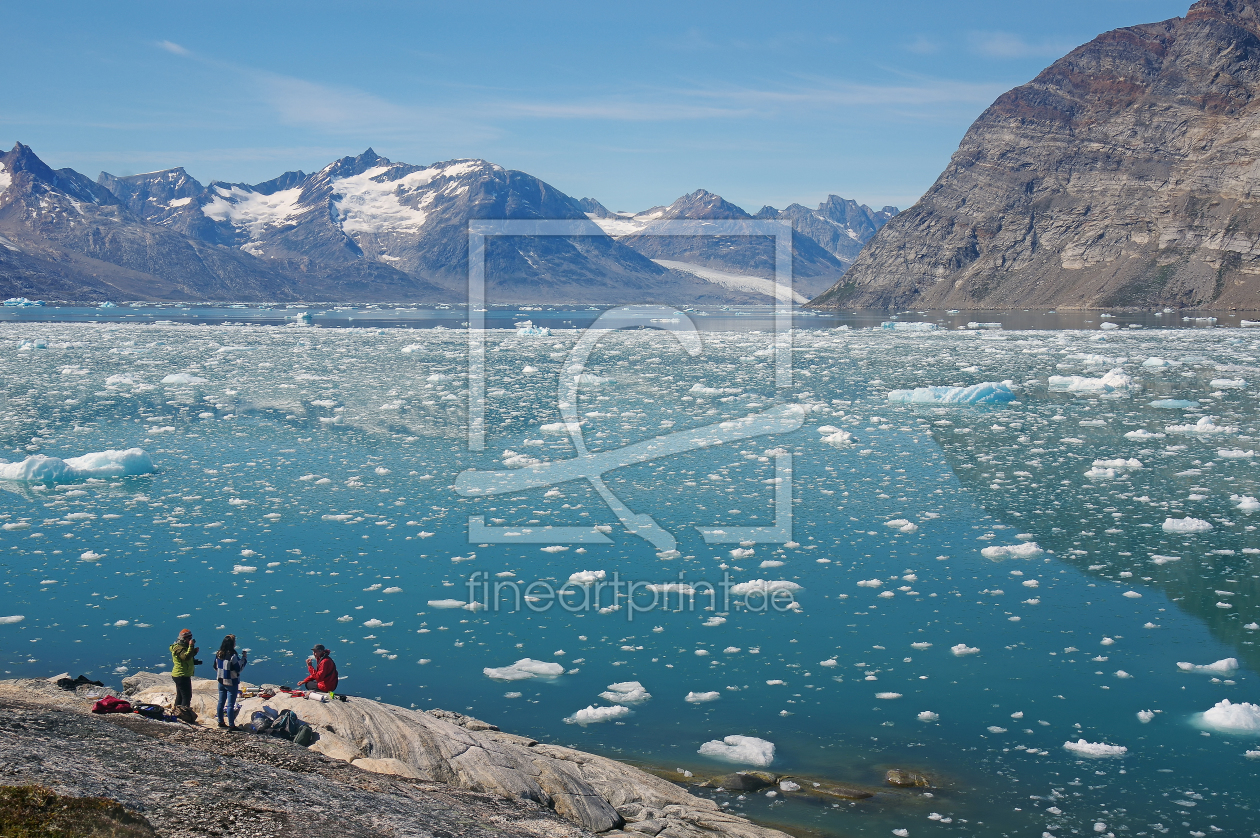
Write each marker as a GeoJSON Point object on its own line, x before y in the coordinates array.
{"type": "Point", "coordinates": [1228, 717]}
{"type": "Point", "coordinates": [524, 669]}
{"type": "Point", "coordinates": [989, 392]}
{"type": "Point", "coordinates": [110, 463]}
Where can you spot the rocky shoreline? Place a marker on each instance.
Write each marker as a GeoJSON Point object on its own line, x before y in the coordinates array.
{"type": "Point", "coordinates": [375, 769]}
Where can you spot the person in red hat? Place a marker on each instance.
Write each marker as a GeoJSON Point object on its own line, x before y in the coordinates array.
{"type": "Point", "coordinates": [323, 672]}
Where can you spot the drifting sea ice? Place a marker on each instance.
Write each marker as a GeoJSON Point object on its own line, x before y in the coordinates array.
{"type": "Point", "coordinates": [625, 692]}
{"type": "Point", "coordinates": [746, 750]}
{"type": "Point", "coordinates": [1224, 666]}
{"type": "Point", "coordinates": [1095, 749]}
{"type": "Point", "coordinates": [1027, 550]}
{"type": "Point", "coordinates": [1115, 380]}
{"type": "Point", "coordinates": [1206, 425]}
{"type": "Point", "coordinates": [1186, 525]}
{"type": "Point", "coordinates": [524, 669]}
{"type": "Point", "coordinates": [701, 698]}
{"type": "Point", "coordinates": [1228, 717]}
{"type": "Point", "coordinates": [128, 463]}
{"type": "Point", "coordinates": [989, 392]}
{"type": "Point", "coordinates": [594, 715]}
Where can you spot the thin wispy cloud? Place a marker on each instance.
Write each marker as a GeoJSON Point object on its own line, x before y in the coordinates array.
{"type": "Point", "coordinates": [172, 47]}
{"type": "Point", "coordinates": [1011, 45]}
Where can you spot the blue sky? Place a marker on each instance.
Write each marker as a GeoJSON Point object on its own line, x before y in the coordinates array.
{"type": "Point", "coordinates": [631, 103]}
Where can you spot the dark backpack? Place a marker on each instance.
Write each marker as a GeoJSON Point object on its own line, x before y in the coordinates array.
{"type": "Point", "coordinates": [151, 711]}
{"type": "Point", "coordinates": [304, 737]}
{"type": "Point", "coordinates": [286, 725]}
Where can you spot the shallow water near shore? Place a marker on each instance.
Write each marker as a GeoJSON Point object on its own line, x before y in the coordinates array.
{"type": "Point", "coordinates": [303, 493]}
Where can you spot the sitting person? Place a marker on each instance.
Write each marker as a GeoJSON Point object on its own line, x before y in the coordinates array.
{"type": "Point", "coordinates": [323, 672]}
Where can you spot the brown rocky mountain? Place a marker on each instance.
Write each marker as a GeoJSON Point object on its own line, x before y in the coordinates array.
{"type": "Point", "coordinates": [1126, 174]}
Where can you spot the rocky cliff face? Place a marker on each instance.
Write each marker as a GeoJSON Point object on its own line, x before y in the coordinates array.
{"type": "Point", "coordinates": [1126, 174]}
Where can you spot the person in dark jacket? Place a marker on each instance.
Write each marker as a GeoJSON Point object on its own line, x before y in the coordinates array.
{"type": "Point", "coordinates": [184, 660]}
{"type": "Point", "coordinates": [227, 669]}
{"type": "Point", "coordinates": [323, 672]}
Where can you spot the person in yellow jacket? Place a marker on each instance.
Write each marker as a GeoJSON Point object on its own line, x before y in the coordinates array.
{"type": "Point", "coordinates": [184, 659]}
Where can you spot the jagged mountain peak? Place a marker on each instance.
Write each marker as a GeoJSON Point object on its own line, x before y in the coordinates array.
{"type": "Point", "coordinates": [703, 204]}
{"type": "Point", "coordinates": [26, 171]}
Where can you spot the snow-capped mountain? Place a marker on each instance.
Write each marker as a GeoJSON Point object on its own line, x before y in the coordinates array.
{"type": "Point", "coordinates": [65, 236]}
{"type": "Point", "coordinates": [814, 266]}
{"type": "Point", "coordinates": [840, 226]}
{"type": "Point", "coordinates": [365, 228]}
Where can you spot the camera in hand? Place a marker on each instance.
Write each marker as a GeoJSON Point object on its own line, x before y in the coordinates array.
{"type": "Point", "coordinates": [197, 662]}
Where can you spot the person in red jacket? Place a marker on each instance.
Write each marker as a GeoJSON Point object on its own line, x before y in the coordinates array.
{"type": "Point", "coordinates": [323, 672]}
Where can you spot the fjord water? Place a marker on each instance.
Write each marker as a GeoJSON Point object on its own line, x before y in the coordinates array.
{"type": "Point", "coordinates": [303, 493]}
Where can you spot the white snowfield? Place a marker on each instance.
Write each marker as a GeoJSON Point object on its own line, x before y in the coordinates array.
{"type": "Point", "coordinates": [739, 282]}
{"type": "Point", "coordinates": [37, 467]}
{"type": "Point", "coordinates": [747, 750]}
{"type": "Point", "coordinates": [989, 392]}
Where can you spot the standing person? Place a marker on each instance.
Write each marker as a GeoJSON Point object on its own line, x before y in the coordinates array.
{"type": "Point", "coordinates": [323, 672]}
{"type": "Point", "coordinates": [227, 669]}
{"type": "Point", "coordinates": [183, 658]}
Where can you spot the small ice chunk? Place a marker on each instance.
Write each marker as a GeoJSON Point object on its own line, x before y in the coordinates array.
{"type": "Point", "coordinates": [524, 669]}
{"type": "Point", "coordinates": [748, 750]}
{"type": "Point", "coordinates": [10, 620]}
{"type": "Point", "coordinates": [764, 587]}
{"type": "Point", "coordinates": [625, 692]}
{"type": "Point", "coordinates": [1228, 717]}
{"type": "Point", "coordinates": [1186, 525]}
{"type": "Point", "coordinates": [962, 649]}
{"type": "Point", "coordinates": [587, 577]}
{"type": "Point", "coordinates": [989, 392]}
{"type": "Point", "coordinates": [928, 716]}
{"type": "Point", "coordinates": [594, 715]}
{"type": "Point", "coordinates": [1095, 749]}
{"type": "Point", "coordinates": [1027, 550]}
{"type": "Point", "coordinates": [1145, 716]}
{"type": "Point", "coordinates": [184, 378]}
{"type": "Point", "coordinates": [700, 698]}
{"type": "Point", "coordinates": [1224, 666]}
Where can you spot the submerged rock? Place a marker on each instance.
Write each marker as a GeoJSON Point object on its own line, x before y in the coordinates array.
{"type": "Point", "coordinates": [903, 778]}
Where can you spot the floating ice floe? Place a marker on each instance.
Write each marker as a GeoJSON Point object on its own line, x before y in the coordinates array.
{"type": "Point", "coordinates": [1222, 667]}
{"type": "Point", "coordinates": [838, 438]}
{"type": "Point", "coordinates": [90, 556]}
{"type": "Point", "coordinates": [587, 577]}
{"type": "Point", "coordinates": [962, 649]}
{"type": "Point", "coordinates": [453, 603]}
{"type": "Point", "coordinates": [1145, 716]}
{"type": "Point", "coordinates": [1174, 404]}
{"type": "Point", "coordinates": [747, 750]}
{"type": "Point", "coordinates": [928, 716]}
{"type": "Point", "coordinates": [1235, 453]}
{"type": "Point", "coordinates": [1027, 550]}
{"type": "Point", "coordinates": [625, 692]}
{"type": "Point", "coordinates": [1142, 433]}
{"type": "Point", "coordinates": [1229, 383]}
{"type": "Point", "coordinates": [38, 467]}
{"type": "Point", "coordinates": [1206, 425]}
{"type": "Point", "coordinates": [1228, 717]}
{"type": "Point", "coordinates": [524, 669]}
{"type": "Point", "coordinates": [10, 620]}
{"type": "Point", "coordinates": [989, 392]}
{"type": "Point", "coordinates": [1186, 525]}
{"type": "Point", "coordinates": [184, 378]}
{"type": "Point", "coordinates": [1163, 560]}
{"type": "Point", "coordinates": [1245, 503]}
{"type": "Point", "coordinates": [244, 568]}
{"type": "Point", "coordinates": [1095, 749]}
{"type": "Point", "coordinates": [701, 698]}
{"type": "Point", "coordinates": [594, 715]}
{"type": "Point", "coordinates": [1115, 380]}
{"type": "Point", "coordinates": [887, 696]}
{"type": "Point", "coordinates": [902, 525]}
{"type": "Point", "coordinates": [764, 587]}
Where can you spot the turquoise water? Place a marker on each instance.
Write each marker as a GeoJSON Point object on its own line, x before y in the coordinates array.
{"type": "Point", "coordinates": [305, 493]}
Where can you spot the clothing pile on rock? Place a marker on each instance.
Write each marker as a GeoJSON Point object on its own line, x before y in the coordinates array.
{"type": "Point", "coordinates": [285, 725]}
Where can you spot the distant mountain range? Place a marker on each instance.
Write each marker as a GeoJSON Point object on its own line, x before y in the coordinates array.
{"type": "Point", "coordinates": [368, 229]}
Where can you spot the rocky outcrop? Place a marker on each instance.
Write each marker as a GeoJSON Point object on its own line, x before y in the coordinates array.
{"type": "Point", "coordinates": [1126, 174]}
{"type": "Point", "coordinates": [593, 792]}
